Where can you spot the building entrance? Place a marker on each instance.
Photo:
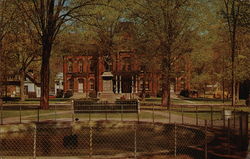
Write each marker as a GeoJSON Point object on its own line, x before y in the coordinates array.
{"type": "Point", "coordinates": [126, 84]}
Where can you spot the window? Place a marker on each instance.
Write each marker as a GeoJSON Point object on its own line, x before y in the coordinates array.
{"type": "Point", "coordinates": [126, 65]}
{"type": "Point", "coordinates": [71, 84]}
{"type": "Point", "coordinates": [70, 66]}
{"type": "Point", "coordinates": [92, 66]}
{"type": "Point", "coordinates": [80, 65]}
{"type": "Point", "coordinates": [80, 85]}
{"type": "Point", "coordinates": [146, 85]}
{"type": "Point", "coordinates": [92, 84]}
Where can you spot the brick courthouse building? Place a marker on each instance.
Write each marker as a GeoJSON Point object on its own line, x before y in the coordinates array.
{"type": "Point", "coordinates": [83, 74]}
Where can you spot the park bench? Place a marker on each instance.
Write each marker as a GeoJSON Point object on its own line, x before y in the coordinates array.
{"type": "Point", "coordinates": [90, 106]}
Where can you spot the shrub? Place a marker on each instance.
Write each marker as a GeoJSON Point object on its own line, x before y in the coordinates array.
{"type": "Point", "coordinates": [92, 94]}
{"type": "Point", "coordinates": [185, 93]}
{"type": "Point", "coordinates": [147, 95]}
{"type": "Point", "coordinates": [159, 94]}
{"type": "Point", "coordinates": [68, 94]}
{"type": "Point", "coordinates": [59, 93]}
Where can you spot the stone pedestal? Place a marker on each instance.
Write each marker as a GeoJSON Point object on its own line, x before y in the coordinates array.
{"type": "Point", "coordinates": [107, 78]}
{"type": "Point", "coordinates": [107, 94]}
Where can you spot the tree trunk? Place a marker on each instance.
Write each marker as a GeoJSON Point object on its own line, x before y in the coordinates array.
{"type": "Point", "coordinates": [1, 71]}
{"type": "Point", "coordinates": [237, 98]}
{"type": "Point", "coordinates": [45, 75]}
{"type": "Point", "coordinates": [233, 75]}
{"type": "Point", "coordinates": [166, 89]}
{"type": "Point", "coordinates": [22, 78]}
{"type": "Point", "coordinates": [5, 78]}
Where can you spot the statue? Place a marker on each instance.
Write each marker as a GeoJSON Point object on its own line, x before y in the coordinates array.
{"type": "Point", "coordinates": [107, 62]}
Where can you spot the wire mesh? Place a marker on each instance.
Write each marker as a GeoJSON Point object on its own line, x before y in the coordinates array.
{"type": "Point", "coordinates": [176, 133]}
{"type": "Point", "coordinates": [100, 139]}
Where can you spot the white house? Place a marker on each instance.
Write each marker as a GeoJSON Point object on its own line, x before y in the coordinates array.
{"type": "Point", "coordinates": [58, 82]}
{"type": "Point", "coordinates": [32, 88]}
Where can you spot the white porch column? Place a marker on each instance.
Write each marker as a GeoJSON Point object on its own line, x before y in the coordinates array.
{"type": "Point", "coordinates": [136, 83]}
{"type": "Point", "coordinates": [120, 90]}
{"type": "Point", "coordinates": [116, 84]}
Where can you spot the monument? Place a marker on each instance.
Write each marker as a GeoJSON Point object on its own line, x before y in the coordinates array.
{"type": "Point", "coordinates": [107, 77]}
{"type": "Point", "coordinates": [107, 94]}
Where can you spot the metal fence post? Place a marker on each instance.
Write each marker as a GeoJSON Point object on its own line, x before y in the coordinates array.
{"type": "Point", "coordinates": [135, 140]}
{"type": "Point", "coordinates": [169, 111]}
{"type": "Point", "coordinates": [175, 140]}
{"type": "Point", "coordinates": [138, 117]}
{"type": "Point", "coordinates": [205, 140]}
{"type": "Point", "coordinates": [72, 110]}
{"type": "Point", "coordinates": [1, 113]}
{"type": "Point", "coordinates": [38, 113]}
{"type": "Point", "coordinates": [241, 129]}
{"type": "Point", "coordinates": [196, 116]}
{"type": "Point", "coordinates": [153, 115]}
{"type": "Point", "coordinates": [211, 116]}
{"type": "Point", "coordinates": [55, 112]}
{"type": "Point", "coordinates": [182, 114]}
{"type": "Point", "coordinates": [106, 112]}
{"type": "Point", "coordinates": [121, 112]}
{"type": "Point", "coordinates": [228, 136]}
{"type": "Point", "coordinates": [90, 140]}
{"type": "Point", "coordinates": [20, 114]}
{"type": "Point", "coordinates": [34, 143]}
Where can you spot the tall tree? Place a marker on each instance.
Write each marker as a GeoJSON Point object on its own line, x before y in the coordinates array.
{"type": "Point", "coordinates": [166, 23]}
{"type": "Point", "coordinates": [232, 12]}
{"type": "Point", "coordinates": [7, 15]}
{"type": "Point", "coordinates": [46, 18]}
{"type": "Point", "coordinates": [105, 27]}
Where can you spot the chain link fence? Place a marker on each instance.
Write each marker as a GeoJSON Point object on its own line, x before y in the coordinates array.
{"type": "Point", "coordinates": [154, 132]}
{"type": "Point", "coordinates": [101, 139]}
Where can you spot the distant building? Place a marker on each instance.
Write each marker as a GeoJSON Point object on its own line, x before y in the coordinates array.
{"type": "Point", "coordinates": [83, 74]}
{"type": "Point", "coordinates": [11, 86]}
{"type": "Point", "coordinates": [58, 82]}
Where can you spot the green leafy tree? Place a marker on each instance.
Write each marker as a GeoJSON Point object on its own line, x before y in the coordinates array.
{"type": "Point", "coordinates": [234, 12]}
{"type": "Point", "coordinates": [7, 14]}
{"type": "Point", "coordinates": [167, 24]}
{"type": "Point", "coordinates": [46, 18]}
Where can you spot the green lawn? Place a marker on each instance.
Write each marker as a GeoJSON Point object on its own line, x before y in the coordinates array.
{"type": "Point", "coordinates": [64, 114]}
{"type": "Point", "coordinates": [183, 100]}
{"type": "Point", "coordinates": [177, 101]}
{"type": "Point", "coordinates": [37, 101]}
{"type": "Point", "coordinates": [16, 113]}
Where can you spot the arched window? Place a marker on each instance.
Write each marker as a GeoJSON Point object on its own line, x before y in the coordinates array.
{"type": "Point", "coordinates": [80, 85]}
{"type": "Point", "coordinates": [70, 66]}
